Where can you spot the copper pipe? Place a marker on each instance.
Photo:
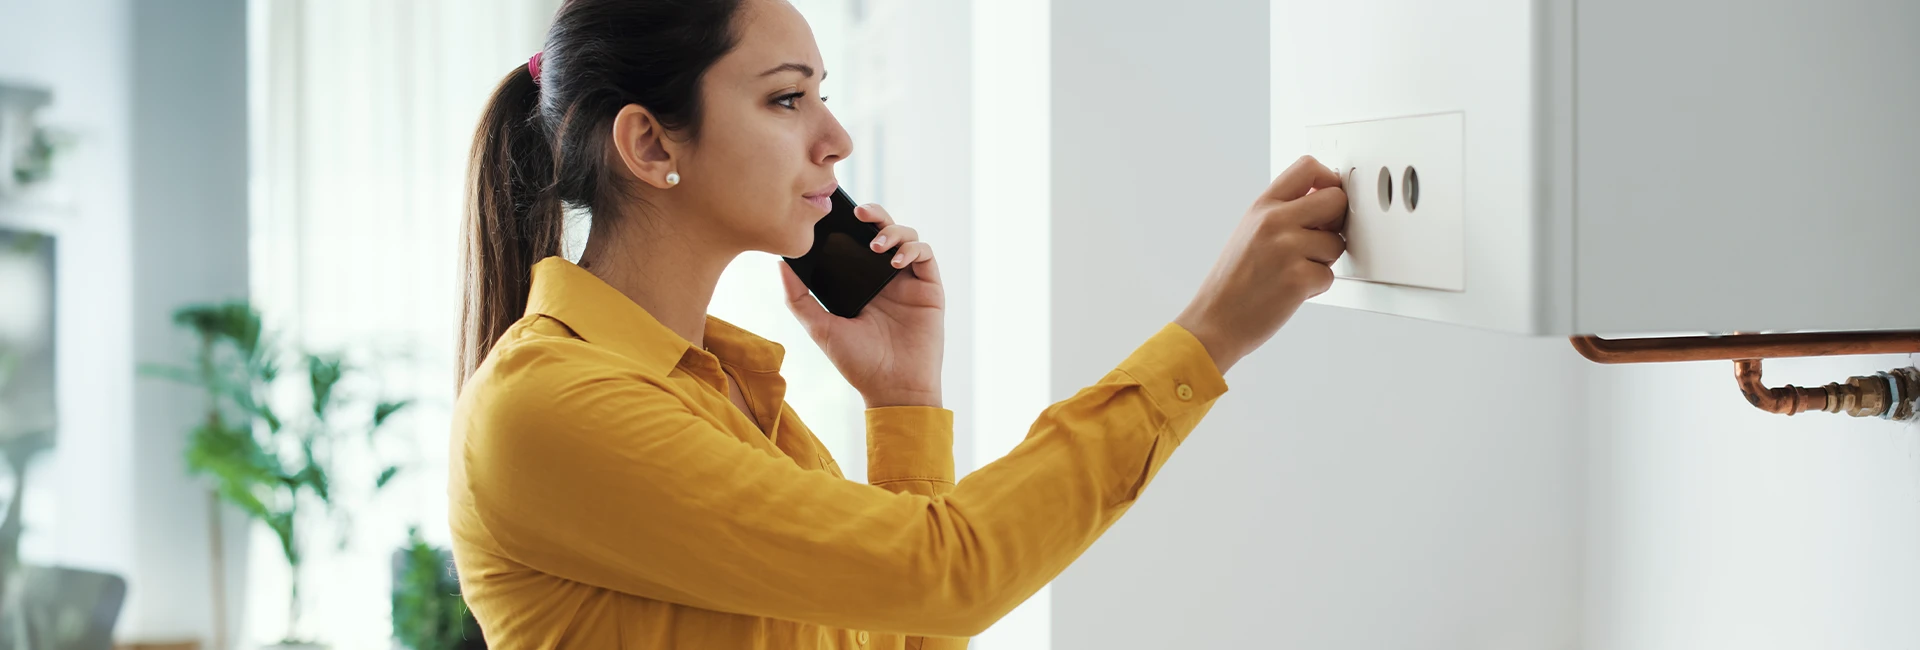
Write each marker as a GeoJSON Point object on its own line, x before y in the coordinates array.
{"type": "Point", "coordinates": [1862, 396]}
{"type": "Point", "coordinates": [1788, 400]}
{"type": "Point", "coordinates": [1745, 346]}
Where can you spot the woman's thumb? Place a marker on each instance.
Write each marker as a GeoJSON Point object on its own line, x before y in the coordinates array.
{"type": "Point", "coordinates": [807, 310]}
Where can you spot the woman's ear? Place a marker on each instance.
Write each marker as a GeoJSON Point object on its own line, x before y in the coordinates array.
{"type": "Point", "coordinates": [644, 148]}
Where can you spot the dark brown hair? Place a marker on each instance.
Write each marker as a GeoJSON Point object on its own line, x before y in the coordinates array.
{"type": "Point", "coordinates": [541, 145]}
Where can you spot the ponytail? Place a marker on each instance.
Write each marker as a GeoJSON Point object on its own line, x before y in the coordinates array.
{"type": "Point", "coordinates": [514, 218]}
{"type": "Point", "coordinates": [542, 146]}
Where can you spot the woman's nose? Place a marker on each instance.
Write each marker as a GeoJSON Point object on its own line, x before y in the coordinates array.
{"type": "Point", "coordinates": [834, 145]}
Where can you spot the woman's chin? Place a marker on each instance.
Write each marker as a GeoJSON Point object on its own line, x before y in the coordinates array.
{"type": "Point", "coordinates": [797, 246]}
{"type": "Point", "coordinates": [796, 239]}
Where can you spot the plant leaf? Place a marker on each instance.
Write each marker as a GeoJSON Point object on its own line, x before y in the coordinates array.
{"type": "Point", "coordinates": [234, 321]}
{"type": "Point", "coordinates": [282, 525]}
{"type": "Point", "coordinates": [314, 476]}
{"type": "Point", "coordinates": [386, 475]}
{"type": "Point", "coordinates": [169, 372]}
{"type": "Point", "coordinates": [243, 473]}
{"type": "Point", "coordinates": [259, 410]}
{"type": "Point", "coordinates": [323, 373]}
{"type": "Point", "coordinates": [428, 612]}
{"type": "Point", "coordinates": [386, 410]}
{"type": "Point", "coordinates": [265, 367]}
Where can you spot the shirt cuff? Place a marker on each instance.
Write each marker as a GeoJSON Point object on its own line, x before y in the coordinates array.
{"type": "Point", "coordinates": [1176, 372]}
{"type": "Point", "coordinates": [909, 443]}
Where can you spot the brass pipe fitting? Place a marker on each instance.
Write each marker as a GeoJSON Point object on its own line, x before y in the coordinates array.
{"type": "Point", "coordinates": [1889, 395]}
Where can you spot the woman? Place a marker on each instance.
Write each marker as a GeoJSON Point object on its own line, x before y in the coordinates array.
{"type": "Point", "coordinates": [625, 473]}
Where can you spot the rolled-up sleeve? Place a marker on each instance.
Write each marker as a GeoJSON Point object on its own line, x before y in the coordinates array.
{"type": "Point", "coordinates": [910, 449]}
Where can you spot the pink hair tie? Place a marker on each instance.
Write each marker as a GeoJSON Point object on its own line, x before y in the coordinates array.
{"type": "Point", "coordinates": [533, 66]}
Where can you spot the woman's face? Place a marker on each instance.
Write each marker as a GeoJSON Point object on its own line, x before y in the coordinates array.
{"type": "Point", "coordinates": [761, 172]}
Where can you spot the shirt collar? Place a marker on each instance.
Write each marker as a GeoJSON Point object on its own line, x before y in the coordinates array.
{"type": "Point", "coordinates": [603, 316]}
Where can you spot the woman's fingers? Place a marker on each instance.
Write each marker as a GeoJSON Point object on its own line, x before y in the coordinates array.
{"type": "Point", "coordinates": [919, 255]}
{"type": "Point", "coordinates": [1321, 246]}
{"type": "Point", "coordinates": [912, 253]}
{"type": "Point", "coordinates": [1305, 175]}
{"type": "Point", "coordinates": [894, 235]}
{"type": "Point", "coordinates": [874, 214]}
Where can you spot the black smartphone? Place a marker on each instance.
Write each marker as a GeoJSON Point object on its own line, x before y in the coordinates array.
{"type": "Point", "coordinates": [841, 269]}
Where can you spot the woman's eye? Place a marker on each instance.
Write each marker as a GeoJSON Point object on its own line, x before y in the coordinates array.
{"type": "Point", "coordinates": [787, 101]}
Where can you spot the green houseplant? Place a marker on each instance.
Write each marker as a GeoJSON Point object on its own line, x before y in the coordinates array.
{"type": "Point", "coordinates": [428, 612]}
{"type": "Point", "coordinates": [273, 464]}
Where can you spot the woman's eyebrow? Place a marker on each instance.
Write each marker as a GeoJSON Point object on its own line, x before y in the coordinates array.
{"type": "Point", "coordinates": [801, 68]}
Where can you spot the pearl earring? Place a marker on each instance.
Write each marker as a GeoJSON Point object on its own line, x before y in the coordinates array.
{"type": "Point", "coordinates": [673, 178]}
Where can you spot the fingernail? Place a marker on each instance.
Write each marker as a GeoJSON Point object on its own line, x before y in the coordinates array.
{"type": "Point", "coordinates": [880, 243]}
{"type": "Point", "coordinates": [896, 259]}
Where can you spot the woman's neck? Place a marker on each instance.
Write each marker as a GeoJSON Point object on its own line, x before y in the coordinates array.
{"type": "Point", "coordinates": [667, 274]}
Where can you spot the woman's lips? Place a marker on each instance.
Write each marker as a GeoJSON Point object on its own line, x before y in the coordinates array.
{"type": "Point", "coordinates": [822, 198]}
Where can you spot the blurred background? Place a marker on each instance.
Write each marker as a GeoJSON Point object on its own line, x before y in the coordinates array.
{"type": "Point", "coordinates": [228, 268]}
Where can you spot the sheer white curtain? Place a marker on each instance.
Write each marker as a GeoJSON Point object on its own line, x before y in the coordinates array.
{"type": "Point", "coordinates": [363, 112]}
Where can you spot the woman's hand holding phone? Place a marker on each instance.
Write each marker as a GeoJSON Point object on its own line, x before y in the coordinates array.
{"type": "Point", "coordinates": [892, 351]}
{"type": "Point", "coordinates": [1280, 255]}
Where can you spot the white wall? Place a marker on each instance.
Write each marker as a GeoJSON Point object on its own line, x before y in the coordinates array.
{"type": "Point", "coordinates": [1011, 52]}
{"type": "Point", "coordinates": [189, 170]}
{"type": "Point", "coordinates": [1375, 482]}
{"type": "Point", "coordinates": [157, 217]}
{"type": "Point", "coordinates": [1715, 525]}
{"type": "Point", "coordinates": [1368, 482]}
{"type": "Point", "coordinates": [81, 49]}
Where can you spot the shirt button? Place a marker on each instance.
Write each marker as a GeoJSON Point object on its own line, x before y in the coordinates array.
{"type": "Point", "coordinates": [1185, 392]}
{"type": "Point", "coordinates": [862, 636]}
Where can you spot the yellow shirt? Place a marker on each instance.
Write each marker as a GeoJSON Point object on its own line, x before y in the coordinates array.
{"type": "Point", "coordinates": [605, 493]}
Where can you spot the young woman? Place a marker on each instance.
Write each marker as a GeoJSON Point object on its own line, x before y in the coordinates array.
{"type": "Point", "coordinates": [625, 472]}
